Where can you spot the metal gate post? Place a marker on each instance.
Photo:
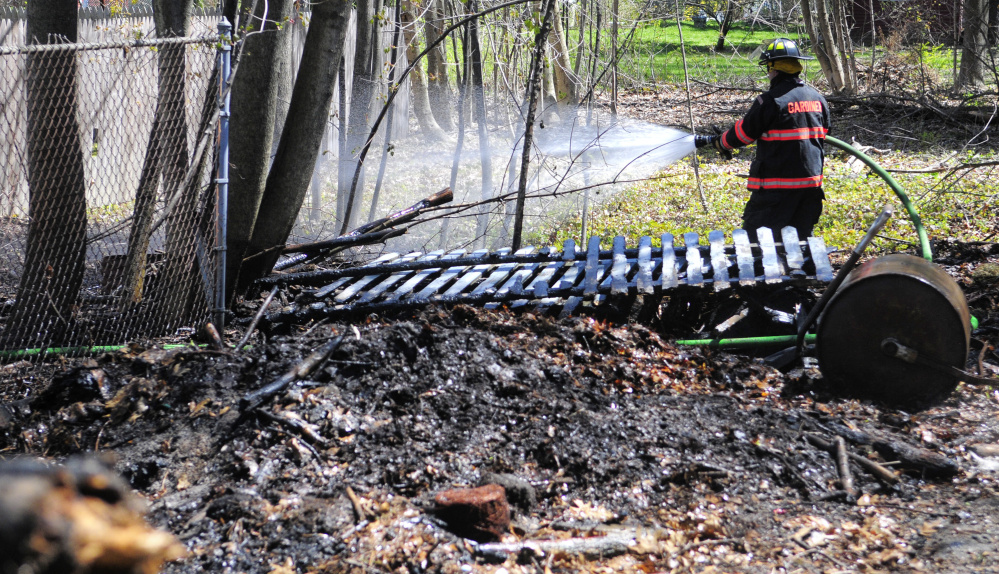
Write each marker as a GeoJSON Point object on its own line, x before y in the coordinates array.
{"type": "Point", "coordinates": [222, 173]}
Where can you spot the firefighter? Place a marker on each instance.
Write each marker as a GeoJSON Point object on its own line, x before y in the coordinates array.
{"type": "Point", "coordinates": [790, 122]}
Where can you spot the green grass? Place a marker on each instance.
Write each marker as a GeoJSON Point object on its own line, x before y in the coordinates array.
{"type": "Point", "coordinates": [655, 52]}
{"type": "Point", "coordinates": [964, 208]}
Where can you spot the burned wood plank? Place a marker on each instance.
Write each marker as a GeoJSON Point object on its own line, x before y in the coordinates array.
{"type": "Point", "coordinates": [410, 284]}
{"type": "Point", "coordinates": [325, 291]}
{"type": "Point", "coordinates": [569, 250]}
{"type": "Point", "coordinates": [695, 274]}
{"type": "Point", "coordinates": [448, 274]}
{"type": "Point", "coordinates": [515, 284]}
{"type": "Point", "coordinates": [356, 286]}
{"type": "Point", "coordinates": [771, 266]}
{"type": "Point", "coordinates": [538, 287]}
{"type": "Point", "coordinates": [820, 257]}
{"type": "Point", "coordinates": [606, 280]}
{"type": "Point", "coordinates": [792, 251]}
{"type": "Point", "coordinates": [499, 274]}
{"type": "Point", "coordinates": [719, 261]}
{"type": "Point", "coordinates": [387, 283]}
{"type": "Point", "coordinates": [643, 280]}
{"type": "Point", "coordinates": [744, 257]}
{"type": "Point", "coordinates": [590, 280]}
{"type": "Point", "coordinates": [571, 276]}
{"type": "Point", "coordinates": [669, 273]}
{"type": "Point", "coordinates": [619, 270]}
{"type": "Point", "coordinates": [326, 275]}
{"type": "Point", "coordinates": [470, 277]}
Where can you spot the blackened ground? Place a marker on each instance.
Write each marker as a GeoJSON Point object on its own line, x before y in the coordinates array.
{"type": "Point", "coordinates": [616, 429]}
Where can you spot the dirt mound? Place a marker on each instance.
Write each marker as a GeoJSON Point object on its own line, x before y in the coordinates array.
{"type": "Point", "coordinates": [631, 453]}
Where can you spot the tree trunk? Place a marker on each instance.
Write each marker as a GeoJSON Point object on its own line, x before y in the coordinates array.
{"type": "Point", "coordinates": [254, 106]}
{"type": "Point", "coordinates": [975, 47]}
{"type": "Point", "coordinates": [361, 95]}
{"type": "Point", "coordinates": [827, 31]}
{"type": "Point", "coordinates": [57, 205]}
{"type": "Point", "coordinates": [438, 84]}
{"type": "Point", "coordinates": [311, 100]}
{"type": "Point", "coordinates": [183, 220]}
{"type": "Point", "coordinates": [479, 97]}
{"type": "Point", "coordinates": [993, 34]}
{"type": "Point", "coordinates": [533, 91]}
{"type": "Point", "coordinates": [417, 83]}
{"type": "Point", "coordinates": [566, 82]}
{"type": "Point", "coordinates": [166, 152]}
{"type": "Point", "coordinates": [726, 24]}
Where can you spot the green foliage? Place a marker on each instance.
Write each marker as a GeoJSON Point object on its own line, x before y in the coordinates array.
{"type": "Point", "coordinates": [964, 208]}
{"type": "Point", "coordinates": [655, 52]}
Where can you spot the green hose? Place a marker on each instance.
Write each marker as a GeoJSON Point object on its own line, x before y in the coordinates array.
{"type": "Point", "coordinates": [924, 240]}
{"type": "Point", "coordinates": [745, 341]}
{"type": "Point", "coordinates": [924, 244]}
{"type": "Point", "coordinates": [69, 351]}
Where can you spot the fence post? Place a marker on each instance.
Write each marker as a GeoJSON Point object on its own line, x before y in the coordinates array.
{"type": "Point", "coordinates": [222, 174]}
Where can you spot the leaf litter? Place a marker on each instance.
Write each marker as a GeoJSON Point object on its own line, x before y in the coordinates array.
{"type": "Point", "coordinates": [626, 453]}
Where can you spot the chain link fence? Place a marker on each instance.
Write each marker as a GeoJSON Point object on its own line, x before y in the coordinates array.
{"type": "Point", "coordinates": [107, 202]}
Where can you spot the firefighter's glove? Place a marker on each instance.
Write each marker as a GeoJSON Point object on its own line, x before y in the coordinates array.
{"type": "Point", "coordinates": [714, 141]}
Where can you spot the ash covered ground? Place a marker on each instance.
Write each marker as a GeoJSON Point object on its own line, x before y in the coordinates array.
{"type": "Point", "coordinates": [639, 455]}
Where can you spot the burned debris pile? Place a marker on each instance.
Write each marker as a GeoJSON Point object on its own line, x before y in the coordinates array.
{"type": "Point", "coordinates": [370, 445]}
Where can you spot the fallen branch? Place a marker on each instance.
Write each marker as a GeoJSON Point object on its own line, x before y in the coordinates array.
{"type": "Point", "coordinates": [402, 216]}
{"type": "Point", "coordinates": [306, 430]}
{"type": "Point", "coordinates": [256, 318]}
{"type": "Point", "coordinates": [258, 398]}
{"type": "Point", "coordinates": [843, 466]}
{"type": "Point", "coordinates": [911, 457]}
{"type": "Point", "coordinates": [361, 514]}
{"type": "Point", "coordinates": [319, 246]}
{"type": "Point", "coordinates": [878, 471]}
{"type": "Point", "coordinates": [604, 546]}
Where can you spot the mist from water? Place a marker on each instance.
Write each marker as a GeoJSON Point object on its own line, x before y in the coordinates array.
{"type": "Point", "coordinates": [574, 166]}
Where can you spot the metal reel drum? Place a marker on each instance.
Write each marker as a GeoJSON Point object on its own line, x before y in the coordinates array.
{"type": "Point", "coordinates": [899, 296]}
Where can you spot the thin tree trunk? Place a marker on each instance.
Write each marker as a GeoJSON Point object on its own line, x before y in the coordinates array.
{"type": "Point", "coordinates": [595, 54]}
{"type": "Point", "coordinates": [581, 27]}
{"type": "Point", "coordinates": [822, 53]}
{"type": "Point", "coordinates": [726, 24]}
{"type": "Point", "coordinates": [361, 95]}
{"type": "Point", "coordinates": [166, 153]}
{"type": "Point", "coordinates": [566, 82]}
{"type": "Point", "coordinates": [533, 91]}
{"type": "Point", "coordinates": [418, 84]}
{"type": "Point", "coordinates": [478, 95]}
{"type": "Point", "coordinates": [614, 49]}
{"type": "Point", "coordinates": [308, 113]}
{"type": "Point", "coordinates": [460, 144]}
{"type": "Point", "coordinates": [438, 84]}
{"type": "Point", "coordinates": [690, 108]}
{"type": "Point", "coordinates": [387, 147]}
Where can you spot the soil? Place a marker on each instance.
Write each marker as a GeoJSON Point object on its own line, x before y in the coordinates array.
{"type": "Point", "coordinates": [640, 455]}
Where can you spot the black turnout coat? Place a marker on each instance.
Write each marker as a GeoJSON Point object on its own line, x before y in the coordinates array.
{"type": "Point", "coordinates": [789, 123]}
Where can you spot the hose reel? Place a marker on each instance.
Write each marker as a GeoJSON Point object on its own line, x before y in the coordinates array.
{"type": "Point", "coordinates": [898, 329]}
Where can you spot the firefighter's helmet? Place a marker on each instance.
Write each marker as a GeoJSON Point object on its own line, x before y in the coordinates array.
{"type": "Point", "coordinates": [782, 49]}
